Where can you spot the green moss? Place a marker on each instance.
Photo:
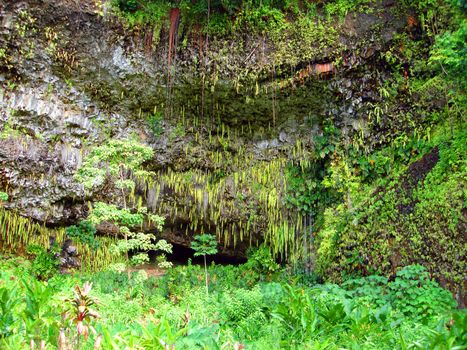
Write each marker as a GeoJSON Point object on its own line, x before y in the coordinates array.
{"type": "Point", "coordinates": [416, 219]}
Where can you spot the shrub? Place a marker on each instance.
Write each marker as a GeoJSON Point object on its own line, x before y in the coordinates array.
{"type": "Point", "coordinates": [261, 261]}
{"type": "Point", "coordinates": [155, 124]}
{"type": "Point", "coordinates": [3, 197]}
{"type": "Point", "coordinates": [415, 295]}
{"type": "Point", "coordinates": [83, 233]}
{"type": "Point", "coordinates": [46, 262]}
{"type": "Point", "coordinates": [412, 293]}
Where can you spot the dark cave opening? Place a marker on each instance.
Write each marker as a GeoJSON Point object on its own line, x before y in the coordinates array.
{"type": "Point", "coordinates": [181, 254]}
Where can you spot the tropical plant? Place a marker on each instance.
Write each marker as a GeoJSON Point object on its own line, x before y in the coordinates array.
{"type": "Point", "coordinates": [46, 261]}
{"type": "Point", "coordinates": [261, 261]}
{"type": "Point", "coordinates": [39, 312]}
{"type": "Point", "coordinates": [9, 299]}
{"type": "Point", "coordinates": [297, 313]}
{"type": "Point", "coordinates": [80, 315]}
{"type": "Point", "coordinates": [119, 161]}
{"type": "Point", "coordinates": [155, 124]}
{"type": "Point", "coordinates": [126, 221]}
{"type": "Point", "coordinates": [83, 233]}
{"type": "Point", "coordinates": [204, 244]}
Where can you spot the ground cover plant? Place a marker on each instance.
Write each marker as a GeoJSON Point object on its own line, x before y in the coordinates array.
{"type": "Point", "coordinates": [108, 310]}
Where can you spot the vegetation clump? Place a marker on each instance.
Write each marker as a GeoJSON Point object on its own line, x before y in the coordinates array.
{"type": "Point", "coordinates": [119, 161]}
{"type": "Point", "coordinates": [410, 311]}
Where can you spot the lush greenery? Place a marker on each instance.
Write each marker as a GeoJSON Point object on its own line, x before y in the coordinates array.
{"type": "Point", "coordinates": [356, 229]}
{"type": "Point", "coordinates": [114, 312]}
{"type": "Point", "coordinates": [223, 16]}
{"type": "Point", "coordinates": [116, 165]}
{"type": "Point", "coordinates": [392, 191]}
{"type": "Point", "coordinates": [3, 197]}
{"type": "Point", "coordinates": [84, 232]}
{"type": "Point", "coordinates": [396, 220]}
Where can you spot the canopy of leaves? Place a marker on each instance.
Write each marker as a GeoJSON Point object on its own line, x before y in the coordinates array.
{"type": "Point", "coordinates": [110, 159]}
{"type": "Point", "coordinates": [204, 244]}
{"type": "Point", "coordinates": [103, 212]}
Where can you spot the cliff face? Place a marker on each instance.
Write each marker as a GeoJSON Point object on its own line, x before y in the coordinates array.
{"type": "Point", "coordinates": [225, 117]}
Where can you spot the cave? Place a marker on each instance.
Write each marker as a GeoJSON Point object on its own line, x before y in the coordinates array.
{"type": "Point", "coordinates": [181, 254]}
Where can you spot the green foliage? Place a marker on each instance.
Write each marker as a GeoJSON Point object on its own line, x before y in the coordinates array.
{"type": "Point", "coordinates": [83, 233]}
{"type": "Point", "coordinates": [304, 190]}
{"type": "Point", "coordinates": [263, 18]}
{"type": "Point", "coordinates": [111, 160]}
{"type": "Point", "coordinates": [308, 190]}
{"type": "Point", "coordinates": [241, 304]}
{"type": "Point", "coordinates": [412, 293]}
{"type": "Point", "coordinates": [102, 212]}
{"type": "Point", "coordinates": [119, 157]}
{"type": "Point", "coordinates": [325, 143]}
{"type": "Point", "coordinates": [126, 220]}
{"type": "Point", "coordinates": [261, 261]}
{"type": "Point", "coordinates": [341, 8]}
{"type": "Point", "coordinates": [204, 244]}
{"type": "Point", "coordinates": [18, 232]}
{"type": "Point", "coordinates": [134, 241]}
{"type": "Point", "coordinates": [408, 222]}
{"type": "Point", "coordinates": [9, 299]}
{"type": "Point", "coordinates": [341, 178]}
{"type": "Point", "coordinates": [46, 262]}
{"type": "Point", "coordinates": [242, 309]}
{"type": "Point", "coordinates": [39, 310]}
{"type": "Point", "coordinates": [225, 16]}
{"type": "Point", "coordinates": [3, 196]}
{"type": "Point", "coordinates": [449, 53]}
{"type": "Point", "coordinates": [139, 313]}
{"type": "Point", "coordinates": [449, 334]}
{"type": "Point", "coordinates": [297, 312]}
{"type": "Point", "coordinates": [126, 5]}
{"type": "Point", "coordinates": [165, 247]}
{"type": "Point", "coordinates": [155, 124]}
{"type": "Point", "coordinates": [380, 202]}
{"type": "Point", "coordinates": [138, 13]}
{"type": "Point", "coordinates": [417, 296]}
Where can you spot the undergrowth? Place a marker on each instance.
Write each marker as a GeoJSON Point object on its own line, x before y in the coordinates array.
{"type": "Point", "coordinates": [144, 312]}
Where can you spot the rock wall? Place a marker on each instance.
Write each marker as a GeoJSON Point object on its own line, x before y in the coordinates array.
{"type": "Point", "coordinates": [72, 76]}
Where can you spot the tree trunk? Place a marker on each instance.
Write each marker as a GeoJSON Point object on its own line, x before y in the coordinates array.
{"type": "Point", "coordinates": [206, 275]}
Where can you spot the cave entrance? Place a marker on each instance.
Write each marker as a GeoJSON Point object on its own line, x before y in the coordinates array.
{"type": "Point", "coordinates": [181, 254]}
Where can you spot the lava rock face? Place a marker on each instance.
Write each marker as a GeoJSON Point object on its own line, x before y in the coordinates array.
{"type": "Point", "coordinates": [72, 78]}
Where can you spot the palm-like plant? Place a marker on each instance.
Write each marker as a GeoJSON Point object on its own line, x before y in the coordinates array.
{"type": "Point", "coordinates": [205, 244]}
{"type": "Point", "coordinates": [81, 315]}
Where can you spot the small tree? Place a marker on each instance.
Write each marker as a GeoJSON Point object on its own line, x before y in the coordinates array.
{"type": "Point", "coordinates": [205, 244]}
{"type": "Point", "coordinates": [115, 163]}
